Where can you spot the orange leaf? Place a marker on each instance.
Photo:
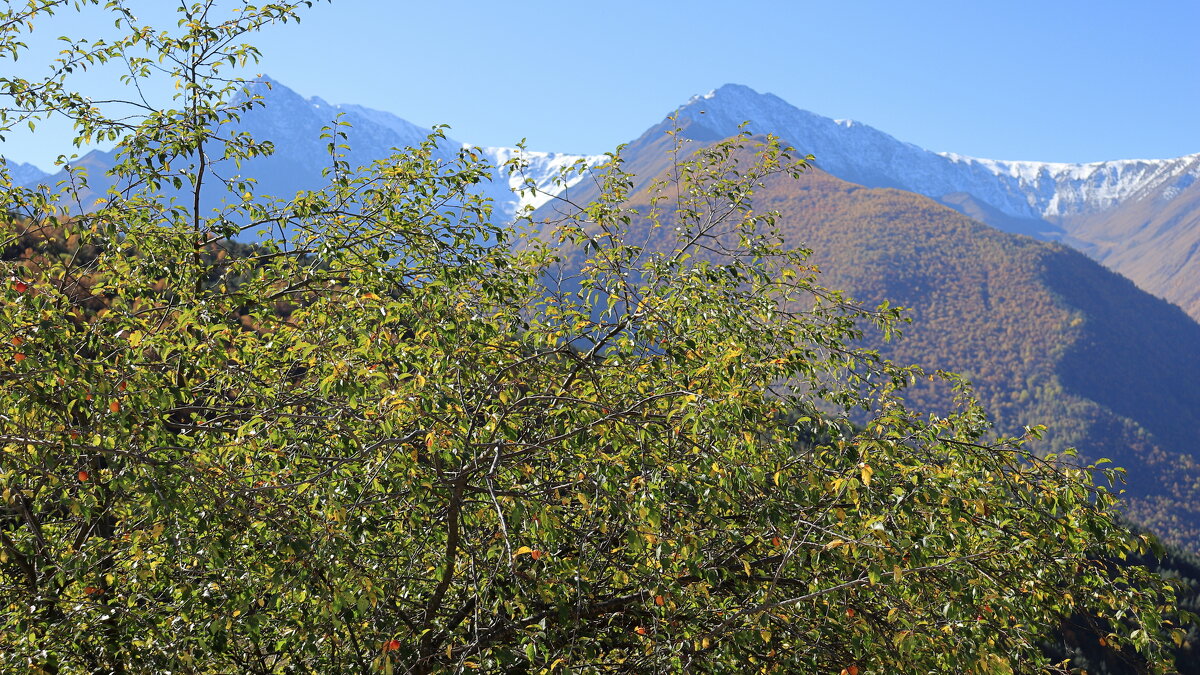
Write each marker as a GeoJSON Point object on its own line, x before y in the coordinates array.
{"type": "Point", "coordinates": [535, 554]}
{"type": "Point", "coordinates": [17, 341]}
{"type": "Point", "coordinates": [391, 645]}
{"type": "Point", "coordinates": [115, 406]}
{"type": "Point", "coordinates": [20, 286]}
{"type": "Point", "coordinates": [18, 357]}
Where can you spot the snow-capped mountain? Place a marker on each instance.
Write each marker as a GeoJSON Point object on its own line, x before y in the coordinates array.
{"type": "Point", "coordinates": [548, 172]}
{"type": "Point", "coordinates": [1140, 217]}
{"type": "Point", "coordinates": [295, 126]}
{"type": "Point", "coordinates": [1137, 216]}
{"type": "Point", "coordinates": [863, 154]}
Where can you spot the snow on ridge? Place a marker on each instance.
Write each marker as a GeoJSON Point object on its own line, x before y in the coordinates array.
{"type": "Point", "coordinates": [544, 169]}
{"type": "Point", "coordinates": [862, 154]}
{"type": "Point", "coordinates": [1060, 188]}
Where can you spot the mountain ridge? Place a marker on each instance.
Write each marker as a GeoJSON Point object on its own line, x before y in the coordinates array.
{"type": "Point", "coordinates": [1028, 188]}
{"type": "Point", "coordinates": [1111, 211]}
{"type": "Point", "coordinates": [1047, 335]}
{"type": "Point", "coordinates": [1139, 217]}
{"type": "Point", "coordinates": [295, 124]}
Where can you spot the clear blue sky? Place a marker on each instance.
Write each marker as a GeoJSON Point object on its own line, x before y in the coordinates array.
{"type": "Point", "coordinates": [1057, 80]}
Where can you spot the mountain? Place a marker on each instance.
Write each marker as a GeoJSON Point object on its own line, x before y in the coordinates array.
{"type": "Point", "coordinates": [1138, 217]}
{"type": "Point", "coordinates": [295, 124]}
{"type": "Point", "coordinates": [1047, 335]}
{"type": "Point", "coordinates": [1154, 239]}
{"type": "Point", "coordinates": [23, 173]}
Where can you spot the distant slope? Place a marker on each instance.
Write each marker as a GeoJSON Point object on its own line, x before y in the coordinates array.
{"type": "Point", "coordinates": [1139, 217]}
{"type": "Point", "coordinates": [295, 126]}
{"type": "Point", "coordinates": [1130, 214]}
{"type": "Point", "coordinates": [22, 173]}
{"type": "Point", "coordinates": [1047, 335]}
{"type": "Point", "coordinates": [1154, 240]}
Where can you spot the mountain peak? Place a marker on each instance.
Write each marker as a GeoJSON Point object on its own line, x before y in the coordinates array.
{"type": "Point", "coordinates": [730, 90]}
{"type": "Point", "coordinates": [733, 97]}
{"type": "Point", "coordinates": [862, 154]}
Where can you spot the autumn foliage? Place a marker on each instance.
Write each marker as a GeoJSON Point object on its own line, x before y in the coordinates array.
{"type": "Point", "coordinates": [397, 439]}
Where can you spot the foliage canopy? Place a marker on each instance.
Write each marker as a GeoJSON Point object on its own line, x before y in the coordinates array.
{"type": "Point", "coordinates": [391, 439]}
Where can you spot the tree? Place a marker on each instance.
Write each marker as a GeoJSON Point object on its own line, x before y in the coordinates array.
{"type": "Point", "coordinates": [393, 438]}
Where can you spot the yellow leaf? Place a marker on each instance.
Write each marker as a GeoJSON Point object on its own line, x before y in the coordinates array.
{"type": "Point", "coordinates": [867, 472]}
{"type": "Point", "coordinates": [766, 635]}
{"type": "Point", "coordinates": [834, 544]}
{"type": "Point", "coordinates": [522, 551]}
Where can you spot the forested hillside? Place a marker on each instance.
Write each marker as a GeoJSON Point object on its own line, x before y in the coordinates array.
{"type": "Point", "coordinates": [1047, 336]}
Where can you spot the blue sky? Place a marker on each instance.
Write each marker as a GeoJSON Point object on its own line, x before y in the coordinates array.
{"type": "Point", "coordinates": [1066, 80]}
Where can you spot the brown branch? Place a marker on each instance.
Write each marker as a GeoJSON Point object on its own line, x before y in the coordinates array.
{"type": "Point", "coordinates": [453, 511]}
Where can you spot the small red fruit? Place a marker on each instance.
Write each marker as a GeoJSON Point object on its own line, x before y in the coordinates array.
{"type": "Point", "coordinates": [850, 613]}
{"type": "Point", "coordinates": [391, 645]}
{"type": "Point", "coordinates": [641, 630]}
{"type": "Point", "coordinates": [115, 406]}
{"type": "Point", "coordinates": [18, 357]}
{"type": "Point", "coordinates": [20, 286]}
{"type": "Point", "coordinates": [82, 476]}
